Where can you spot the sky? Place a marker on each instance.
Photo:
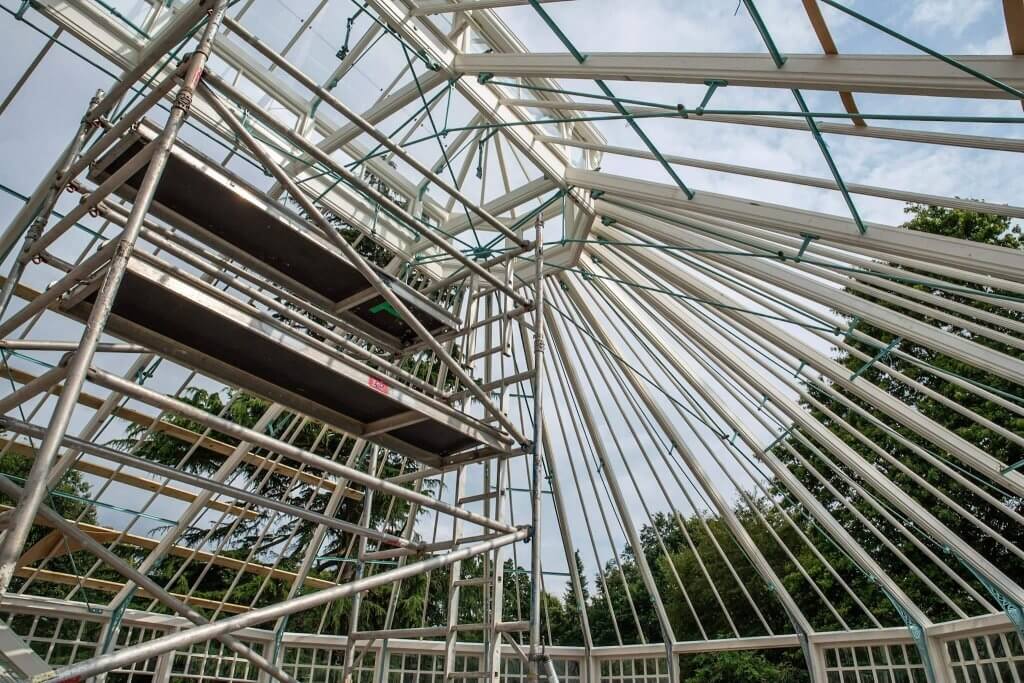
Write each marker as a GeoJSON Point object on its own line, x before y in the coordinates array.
{"type": "Point", "coordinates": [42, 118]}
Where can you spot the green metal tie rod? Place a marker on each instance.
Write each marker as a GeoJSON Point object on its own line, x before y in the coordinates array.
{"type": "Point", "coordinates": [607, 91]}
{"type": "Point", "coordinates": [779, 60]}
{"type": "Point", "coordinates": [1009, 89]}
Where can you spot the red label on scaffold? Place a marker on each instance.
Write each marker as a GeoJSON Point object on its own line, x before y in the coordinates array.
{"type": "Point", "coordinates": [380, 386]}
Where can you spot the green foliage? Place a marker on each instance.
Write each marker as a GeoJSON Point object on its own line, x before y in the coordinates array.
{"type": "Point", "coordinates": [740, 667]}
{"type": "Point", "coordinates": [697, 546]}
{"type": "Point", "coordinates": [238, 538]}
{"type": "Point", "coordinates": [17, 467]}
{"type": "Point", "coordinates": [71, 505]}
{"type": "Point", "coordinates": [895, 454]}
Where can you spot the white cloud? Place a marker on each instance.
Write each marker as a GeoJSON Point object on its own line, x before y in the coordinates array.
{"type": "Point", "coordinates": [937, 16]}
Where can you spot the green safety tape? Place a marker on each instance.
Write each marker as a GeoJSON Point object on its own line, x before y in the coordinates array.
{"type": "Point", "coordinates": [385, 307]}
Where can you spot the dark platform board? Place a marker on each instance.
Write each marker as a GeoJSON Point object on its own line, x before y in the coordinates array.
{"type": "Point", "coordinates": [219, 208]}
{"type": "Point", "coordinates": [201, 327]}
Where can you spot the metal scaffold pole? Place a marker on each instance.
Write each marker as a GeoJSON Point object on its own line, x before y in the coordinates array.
{"type": "Point", "coordinates": [200, 634]}
{"type": "Point", "coordinates": [537, 475]}
{"type": "Point", "coordinates": [35, 486]}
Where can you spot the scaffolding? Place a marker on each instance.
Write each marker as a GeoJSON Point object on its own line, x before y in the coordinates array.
{"type": "Point", "coordinates": [279, 409]}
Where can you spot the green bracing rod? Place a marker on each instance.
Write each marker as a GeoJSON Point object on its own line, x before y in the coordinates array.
{"type": "Point", "coordinates": [779, 60]}
{"type": "Point", "coordinates": [608, 93]}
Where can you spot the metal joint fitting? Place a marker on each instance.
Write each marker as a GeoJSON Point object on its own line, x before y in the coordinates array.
{"type": "Point", "coordinates": [183, 101]}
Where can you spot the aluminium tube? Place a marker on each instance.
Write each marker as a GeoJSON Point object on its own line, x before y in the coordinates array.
{"type": "Point", "coordinates": [43, 300]}
{"type": "Point", "coordinates": [91, 545]}
{"type": "Point", "coordinates": [64, 170]}
{"type": "Point", "coordinates": [538, 468]}
{"type": "Point", "coordinates": [35, 485]}
{"type": "Point", "coordinates": [158, 400]}
{"type": "Point", "coordinates": [158, 46]}
{"type": "Point", "coordinates": [32, 209]}
{"type": "Point", "coordinates": [43, 382]}
{"type": "Point", "coordinates": [31, 345]}
{"type": "Point", "coordinates": [293, 138]}
{"type": "Point", "coordinates": [562, 517]}
{"type": "Point", "coordinates": [182, 639]}
{"type": "Point", "coordinates": [498, 260]}
{"type": "Point", "coordinates": [91, 200]}
{"type": "Point", "coordinates": [49, 200]}
{"type": "Point", "coordinates": [270, 302]}
{"type": "Point", "coordinates": [549, 669]}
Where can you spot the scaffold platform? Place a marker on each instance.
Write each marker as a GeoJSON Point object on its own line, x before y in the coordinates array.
{"type": "Point", "coordinates": [192, 322]}
{"type": "Point", "coordinates": [223, 210]}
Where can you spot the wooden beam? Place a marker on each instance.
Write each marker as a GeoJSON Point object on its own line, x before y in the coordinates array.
{"type": "Point", "coordinates": [113, 587]}
{"type": "Point", "coordinates": [47, 547]}
{"type": "Point", "coordinates": [1013, 12]}
{"type": "Point", "coordinates": [828, 46]}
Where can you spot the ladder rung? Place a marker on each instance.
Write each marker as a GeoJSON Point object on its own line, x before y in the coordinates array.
{"type": "Point", "coordinates": [475, 581]}
{"type": "Point", "coordinates": [489, 352]}
{"type": "Point", "coordinates": [496, 384]}
{"type": "Point", "coordinates": [448, 545]}
{"type": "Point", "coordinates": [389, 554]}
{"type": "Point", "coordinates": [477, 497]}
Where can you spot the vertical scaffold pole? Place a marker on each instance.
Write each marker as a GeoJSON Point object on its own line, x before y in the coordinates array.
{"type": "Point", "coordinates": [357, 600]}
{"type": "Point", "coordinates": [538, 469]}
{"type": "Point", "coordinates": [85, 129]}
{"type": "Point", "coordinates": [35, 485]}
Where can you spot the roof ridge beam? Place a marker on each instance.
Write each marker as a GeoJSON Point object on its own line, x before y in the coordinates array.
{"type": "Point", "coordinates": [885, 74]}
